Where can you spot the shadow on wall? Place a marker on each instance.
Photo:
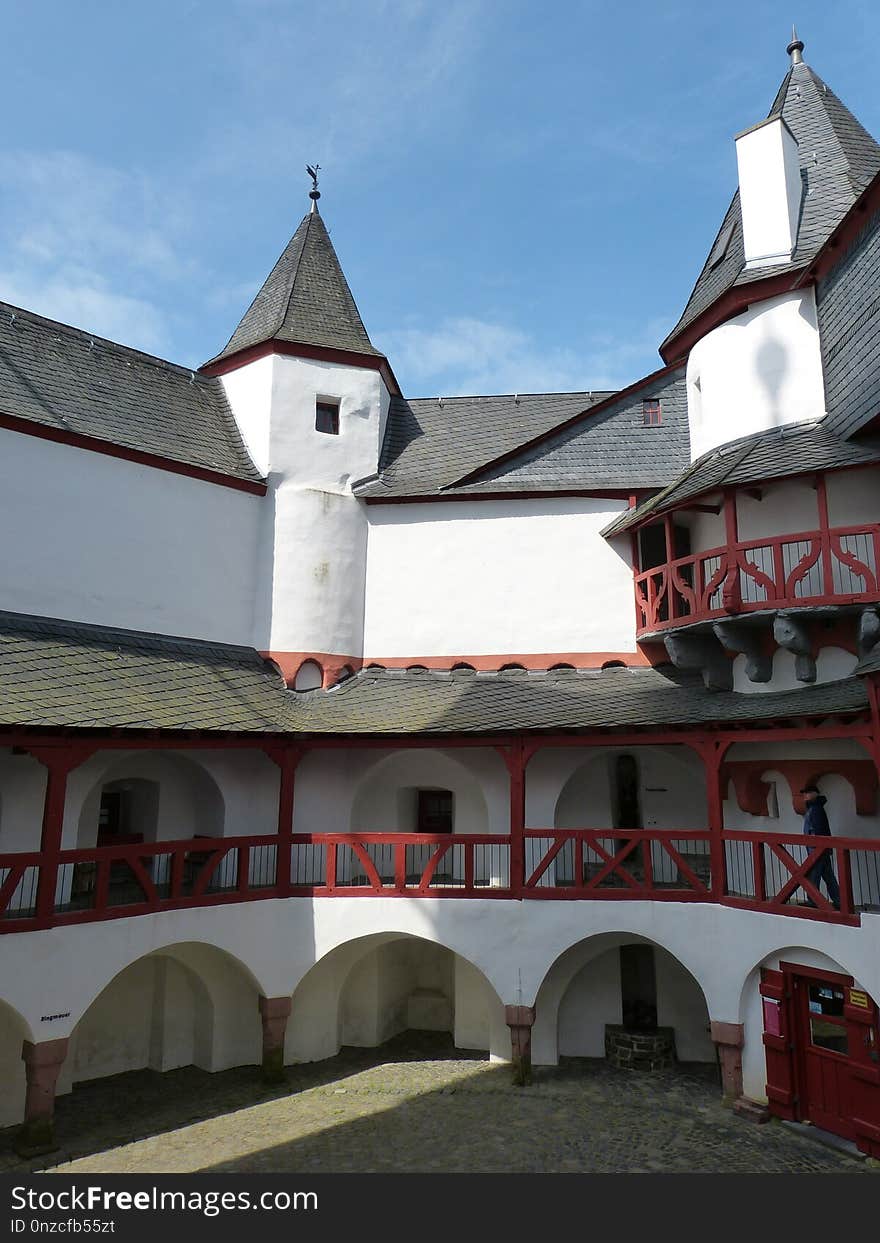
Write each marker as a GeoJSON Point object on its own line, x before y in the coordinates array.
{"type": "Point", "coordinates": [771, 369]}
{"type": "Point", "coordinates": [366, 991]}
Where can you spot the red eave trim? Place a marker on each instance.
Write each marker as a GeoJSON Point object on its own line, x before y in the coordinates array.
{"type": "Point", "coordinates": [570, 421]}
{"type": "Point", "coordinates": [816, 472]}
{"type": "Point", "coordinates": [93, 445]}
{"type": "Point", "coordinates": [675, 351]}
{"type": "Point", "coordinates": [846, 232]}
{"type": "Point", "coordinates": [325, 353]}
{"type": "Point", "coordinates": [527, 494]}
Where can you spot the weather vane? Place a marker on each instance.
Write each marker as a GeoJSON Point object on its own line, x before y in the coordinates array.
{"type": "Point", "coordinates": [314, 193]}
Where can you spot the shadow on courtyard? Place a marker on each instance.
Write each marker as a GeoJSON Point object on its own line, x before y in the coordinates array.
{"type": "Point", "coordinates": [416, 1104]}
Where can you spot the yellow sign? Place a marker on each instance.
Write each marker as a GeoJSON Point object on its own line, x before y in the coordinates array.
{"type": "Point", "coordinates": [858, 998]}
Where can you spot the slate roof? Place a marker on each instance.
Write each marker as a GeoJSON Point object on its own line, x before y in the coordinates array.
{"type": "Point", "coordinates": [784, 451]}
{"type": "Point", "coordinates": [305, 299]}
{"type": "Point", "coordinates": [838, 159]}
{"type": "Point", "coordinates": [65, 674]}
{"type": "Point", "coordinates": [56, 674]}
{"type": "Point", "coordinates": [431, 442]}
{"type": "Point", "coordinates": [871, 662]}
{"type": "Point", "coordinates": [70, 380]}
{"type": "Point", "coordinates": [378, 701]}
{"type": "Point", "coordinates": [612, 448]}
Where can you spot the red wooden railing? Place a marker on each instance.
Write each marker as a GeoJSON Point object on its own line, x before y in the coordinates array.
{"type": "Point", "coordinates": [759, 871]}
{"type": "Point", "coordinates": [834, 566]}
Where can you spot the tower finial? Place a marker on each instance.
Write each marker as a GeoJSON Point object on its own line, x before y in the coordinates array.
{"type": "Point", "coordinates": [314, 193]}
{"type": "Point", "coordinates": [795, 48]}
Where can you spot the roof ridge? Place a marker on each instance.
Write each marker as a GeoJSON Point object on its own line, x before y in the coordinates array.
{"type": "Point", "coordinates": [285, 305]}
{"type": "Point", "coordinates": [25, 621]}
{"type": "Point", "coordinates": [85, 333]}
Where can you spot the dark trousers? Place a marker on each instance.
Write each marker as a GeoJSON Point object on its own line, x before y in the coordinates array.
{"type": "Point", "coordinates": [823, 869]}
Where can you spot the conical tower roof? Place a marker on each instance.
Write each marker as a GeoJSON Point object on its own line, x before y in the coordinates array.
{"type": "Point", "coordinates": [305, 299]}
{"type": "Point", "coordinates": [838, 159]}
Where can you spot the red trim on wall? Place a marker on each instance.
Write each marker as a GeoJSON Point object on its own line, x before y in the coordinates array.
{"type": "Point", "coordinates": [524, 494]}
{"type": "Point", "coordinates": [324, 353]}
{"type": "Point", "coordinates": [93, 445]}
{"type": "Point", "coordinates": [333, 665]}
{"type": "Point", "coordinates": [752, 791]}
{"type": "Point", "coordinates": [732, 303]}
{"type": "Point", "coordinates": [838, 244]}
{"type": "Point", "coordinates": [622, 394]}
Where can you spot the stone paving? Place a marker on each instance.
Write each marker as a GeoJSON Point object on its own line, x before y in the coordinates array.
{"type": "Point", "coordinates": [418, 1105]}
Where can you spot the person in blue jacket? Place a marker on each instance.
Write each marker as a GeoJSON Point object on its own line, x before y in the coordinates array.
{"type": "Point", "coordinates": [816, 825]}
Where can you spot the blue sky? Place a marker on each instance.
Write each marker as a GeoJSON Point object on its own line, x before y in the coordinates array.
{"type": "Point", "coordinates": [521, 194]}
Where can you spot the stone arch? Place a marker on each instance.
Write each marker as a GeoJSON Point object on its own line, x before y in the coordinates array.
{"type": "Point", "coordinates": [14, 1030]}
{"type": "Point", "coordinates": [581, 993]}
{"type": "Point", "coordinates": [186, 1003]}
{"type": "Point", "coordinates": [363, 991]}
{"type": "Point", "coordinates": [180, 797]}
{"type": "Point", "coordinates": [309, 676]}
{"type": "Point", "coordinates": [385, 797]}
{"type": "Point", "coordinates": [585, 798]}
{"type": "Point", "coordinates": [750, 1012]}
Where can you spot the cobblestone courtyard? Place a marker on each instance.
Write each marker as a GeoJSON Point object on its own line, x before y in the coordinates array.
{"type": "Point", "coordinates": [417, 1105]}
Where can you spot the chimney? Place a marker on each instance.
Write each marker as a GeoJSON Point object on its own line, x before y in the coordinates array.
{"type": "Point", "coordinates": [769, 191]}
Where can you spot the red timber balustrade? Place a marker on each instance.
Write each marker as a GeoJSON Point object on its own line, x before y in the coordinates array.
{"type": "Point", "coordinates": [759, 871]}
{"type": "Point", "coordinates": [825, 566]}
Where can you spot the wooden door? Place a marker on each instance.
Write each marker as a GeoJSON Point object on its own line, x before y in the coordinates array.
{"type": "Point", "coordinates": [863, 1018]}
{"type": "Point", "coordinates": [823, 1039]}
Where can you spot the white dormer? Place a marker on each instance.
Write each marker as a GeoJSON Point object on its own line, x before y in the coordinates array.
{"type": "Point", "coordinates": [770, 191]}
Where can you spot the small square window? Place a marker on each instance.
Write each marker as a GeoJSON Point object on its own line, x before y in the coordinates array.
{"type": "Point", "coordinates": [651, 413]}
{"type": "Point", "coordinates": [327, 417]}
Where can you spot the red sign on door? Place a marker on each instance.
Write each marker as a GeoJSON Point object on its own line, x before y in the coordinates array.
{"type": "Point", "coordinates": [772, 1017]}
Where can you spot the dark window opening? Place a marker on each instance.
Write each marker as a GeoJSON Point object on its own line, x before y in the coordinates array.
{"type": "Point", "coordinates": [652, 414]}
{"type": "Point", "coordinates": [434, 813]}
{"type": "Point", "coordinates": [638, 987]}
{"type": "Point", "coordinates": [327, 417]}
{"type": "Point", "coordinates": [113, 817]}
{"type": "Point", "coordinates": [625, 798]}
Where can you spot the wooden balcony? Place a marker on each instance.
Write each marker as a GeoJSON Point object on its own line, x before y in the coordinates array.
{"type": "Point", "coordinates": [755, 871]}
{"type": "Point", "coordinates": [832, 566]}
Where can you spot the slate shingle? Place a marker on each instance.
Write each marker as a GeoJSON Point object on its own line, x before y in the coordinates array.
{"type": "Point", "coordinates": [72, 381]}
{"type": "Point", "coordinates": [838, 160]}
{"type": "Point", "coordinates": [775, 454]}
{"type": "Point", "coordinates": [305, 299]}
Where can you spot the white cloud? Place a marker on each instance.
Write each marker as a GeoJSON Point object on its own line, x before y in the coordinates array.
{"type": "Point", "coordinates": [91, 245]}
{"type": "Point", "coordinates": [471, 356]}
{"type": "Point", "coordinates": [79, 298]}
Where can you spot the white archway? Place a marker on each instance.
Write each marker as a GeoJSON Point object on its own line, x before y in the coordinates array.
{"type": "Point", "coordinates": [365, 991]}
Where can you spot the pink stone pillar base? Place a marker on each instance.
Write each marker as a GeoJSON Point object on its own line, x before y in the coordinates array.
{"type": "Point", "coordinates": [42, 1064]}
{"type": "Point", "coordinates": [274, 1013]}
{"type": "Point", "coordinates": [520, 1020]}
{"type": "Point", "coordinates": [728, 1038]}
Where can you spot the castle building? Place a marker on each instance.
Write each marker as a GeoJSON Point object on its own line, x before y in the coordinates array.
{"type": "Point", "coordinates": [329, 714]}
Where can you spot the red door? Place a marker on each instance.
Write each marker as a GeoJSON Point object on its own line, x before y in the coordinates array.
{"type": "Point", "coordinates": [864, 1027]}
{"type": "Point", "coordinates": [822, 1048]}
{"type": "Point", "coordinates": [822, 1044]}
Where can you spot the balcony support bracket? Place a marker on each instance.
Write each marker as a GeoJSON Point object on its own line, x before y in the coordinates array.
{"type": "Point", "coordinates": [746, 639]}
{"type": "Point", "coordinates": [701, 652]}
{"type": "Point", "coordinates": [792, 635]}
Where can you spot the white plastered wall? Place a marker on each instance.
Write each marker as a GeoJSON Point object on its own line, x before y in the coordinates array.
{"type": "Point", "coordinates": [513, 945]}
{"type": "Point", "coordinates": [482, 577]}
{"type": "Point", "coordinates": [853, 497]}
{"type": "Point", "coordinates": [22, 794]}
{"type": "Point", "coordinates": [832, 664]}
{"type": "Point", "coordinates": [313, 552]}
{"type": "Point", "coordinates": [759, 370]}
{"type": "Point", "coordinates": [109, 542]}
